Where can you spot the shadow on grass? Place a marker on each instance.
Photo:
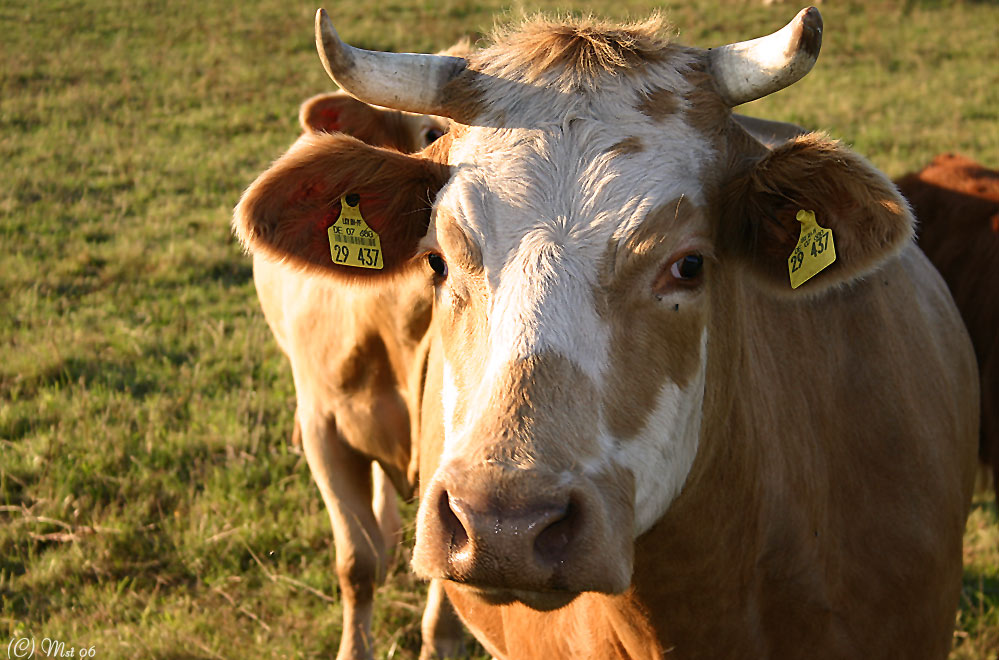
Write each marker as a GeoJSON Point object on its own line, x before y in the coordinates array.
{"type": "Point", "coordinates": [230, 273]}
{"type": "Point", "coordinates": [90, 371]}
{"type": "Point", "coordinates": [986, 506]}
{"type": "Point", "coordinates": [980, 589]}
{"type": "Point", "coordinates": [138, 378]}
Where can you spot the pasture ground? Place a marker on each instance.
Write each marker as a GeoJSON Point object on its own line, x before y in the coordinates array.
{"type": "Point", "coordinates": [150, 504]}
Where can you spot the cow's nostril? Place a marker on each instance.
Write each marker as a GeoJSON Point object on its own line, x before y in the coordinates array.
{"type": "Point", "coordinates": [553, 541]}
{"type": "Point", "coordinates": [451, 523]}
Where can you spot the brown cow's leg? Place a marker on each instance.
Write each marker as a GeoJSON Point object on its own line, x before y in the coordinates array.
{"type": "Point", "coordinates": [344, 479]}
{"type": "Point", "coordinates": [386, 507]}
{"type": "Point", "coordinates": [995, 478]}
{"type": "Point", "coordinates": [441, 627]}
{"type": "Point", "coordinates": [296, 432]}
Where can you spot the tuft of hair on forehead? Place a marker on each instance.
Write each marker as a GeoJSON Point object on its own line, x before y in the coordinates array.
{"type": "Point", "coordinates": [577, 50]}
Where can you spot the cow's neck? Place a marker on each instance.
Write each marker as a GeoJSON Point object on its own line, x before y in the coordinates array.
{"type": "Point", "coordinates": [748, 517]}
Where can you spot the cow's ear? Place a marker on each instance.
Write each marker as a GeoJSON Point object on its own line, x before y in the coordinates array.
{"type": "Point", "coordinates": [869, 219]}
{"type": "Point", "coordinates": [287, 212]}
{"type": "Point", "coordinates": [337, 112]}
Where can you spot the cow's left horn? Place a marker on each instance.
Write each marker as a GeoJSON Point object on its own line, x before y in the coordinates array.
{"type": "Point", "coordinates": [750, 70]}
{"type": "Point", "coordinates": [402, 81]}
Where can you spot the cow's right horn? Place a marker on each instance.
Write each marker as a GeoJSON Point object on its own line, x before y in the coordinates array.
{"type": "Point", "coordinates": [401, 81]}
{"type": "Point", "coordinates": [750, 70]}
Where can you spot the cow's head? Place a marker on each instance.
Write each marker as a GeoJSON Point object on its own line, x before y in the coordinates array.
{"type": "Point", "coordinates": [572, 223]}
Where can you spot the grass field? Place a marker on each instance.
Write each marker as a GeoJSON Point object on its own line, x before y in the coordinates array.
{"type": "Point", "coordinates": [150, 504]}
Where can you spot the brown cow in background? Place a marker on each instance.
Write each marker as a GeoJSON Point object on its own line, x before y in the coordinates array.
{"type": "Point", "coordinates": [356, 360]}
{"type": "Point", "coordinates": [956, 202]}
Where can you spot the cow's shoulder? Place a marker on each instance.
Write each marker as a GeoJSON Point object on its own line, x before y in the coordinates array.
{"type": "Point", "coordinates": [358, 338]}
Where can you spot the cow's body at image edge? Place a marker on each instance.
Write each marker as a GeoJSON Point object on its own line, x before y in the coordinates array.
{"type": "Point", "coordinates": [956, 202]}
{"type": "Point", "coordinates": [630, 422]}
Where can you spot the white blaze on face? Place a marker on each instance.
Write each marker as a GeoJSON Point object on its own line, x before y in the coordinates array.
{"type": "Point", "coordinates": [544, 303]}
{"type": "Point", "coordinates": [544, 206]}
{"type": "Point", "coordinates": [661, 455]}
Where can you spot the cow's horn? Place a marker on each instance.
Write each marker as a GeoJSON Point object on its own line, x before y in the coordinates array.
{"type": "Point", "coordinates": [750, 70]}
{"type": "Point", "coordinates": [402, 81]}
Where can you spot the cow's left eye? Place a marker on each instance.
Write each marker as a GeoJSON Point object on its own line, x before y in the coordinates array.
{"type": "Point", "coordinates": [687, 268]}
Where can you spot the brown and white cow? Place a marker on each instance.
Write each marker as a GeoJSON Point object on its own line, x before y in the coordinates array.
{"type": "Point", "coordinates": [356, 356]}
{"type": "Point", "coordinates": [956, 202]}
{"type": "Point", "coordinates": [636, 439]}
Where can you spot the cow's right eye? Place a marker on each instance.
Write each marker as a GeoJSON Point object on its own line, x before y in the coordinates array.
{"type": "Point", "coordinates": [437, 264]}
{"type": "Point", "coordinates": [432, 135]}
{"type": "Point", "coordinates": [687, 268]}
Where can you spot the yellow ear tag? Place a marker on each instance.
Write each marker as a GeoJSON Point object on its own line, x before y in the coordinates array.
{"type": "Point", "coordinates": [352, 241]}
{"type": "Point", "coordinates": [814, 251]}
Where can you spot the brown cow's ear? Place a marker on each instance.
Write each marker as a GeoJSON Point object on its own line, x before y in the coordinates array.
{"type": "Point", "coordinates": [286, 212]}
{"type": "Point", "coordinates": [337, 112]}
{"type": "Point", "coordinates": [869, 219]}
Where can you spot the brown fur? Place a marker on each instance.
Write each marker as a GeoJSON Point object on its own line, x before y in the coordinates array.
{"type": "Point", "coordinates": [956, 202]}
{"type": "Point", "coordinates": [577, 51]}
{"type": "Point", "coordinates": [826, 493]}
{"type": "Point", "coordinates": [595, 626]}
{"type": "Point", "coordinates": [629, 145]}
{"type": "Point", "coordinates": [707, 113]}
{"type": "Point", "coordinates": [657, 104]}
{"type": "Point", "coordinates": [520, 450]}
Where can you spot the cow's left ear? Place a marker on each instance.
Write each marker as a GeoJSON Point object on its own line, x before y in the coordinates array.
{"type": "Point", "coordinates": [869, 219]}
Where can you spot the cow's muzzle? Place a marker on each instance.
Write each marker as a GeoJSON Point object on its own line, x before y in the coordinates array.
{"type": "Point", "coordinates": [529, 535]}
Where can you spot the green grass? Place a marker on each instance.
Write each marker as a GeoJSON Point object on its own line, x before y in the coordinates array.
{"type": "Point", "coordinates": [150, 505]}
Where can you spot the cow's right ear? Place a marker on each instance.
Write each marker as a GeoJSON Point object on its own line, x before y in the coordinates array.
{"type": "Point", "coordinates": [868, 220]}
{"type": "Point", "coordinates": [286, 213]}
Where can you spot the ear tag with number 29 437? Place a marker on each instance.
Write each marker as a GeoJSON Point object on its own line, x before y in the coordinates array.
{"type": "Point", "coordinates": [814, 251]}
{"type": "Point", "coordinates": [352, 241]}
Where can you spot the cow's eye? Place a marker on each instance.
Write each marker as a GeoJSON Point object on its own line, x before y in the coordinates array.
{"type": "Point", "coordinates": [432, 135]}
{"type": "Point", "coordinates": [437, 264]}
{"type": "Point", "coordinates": [687, 268]}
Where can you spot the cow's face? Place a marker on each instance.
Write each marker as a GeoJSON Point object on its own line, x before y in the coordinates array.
{"type": "Point", "coordinates": [592, 185]}
{"type": "Point", "coordinates": [571, 312]}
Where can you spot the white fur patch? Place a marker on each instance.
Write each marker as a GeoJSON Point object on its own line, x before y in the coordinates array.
{"type": "Point", "coordinates": [661, 455]}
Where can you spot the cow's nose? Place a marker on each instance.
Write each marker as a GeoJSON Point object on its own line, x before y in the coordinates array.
{"type": "Point", "coordinates": [524, 530]}
{"type": "Point", "coordinates": [535, 537]}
